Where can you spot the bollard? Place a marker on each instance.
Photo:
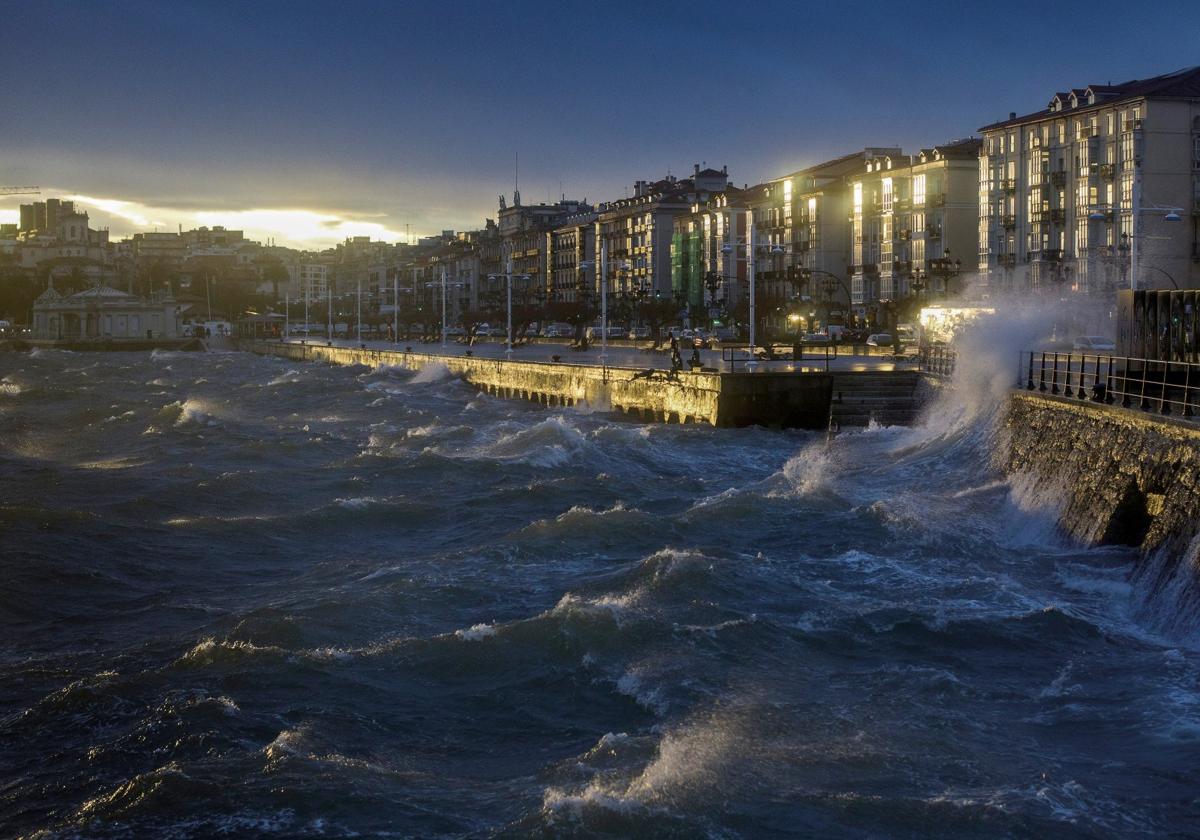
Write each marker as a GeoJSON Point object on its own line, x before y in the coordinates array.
{"type": "Point", "coordinates": [1054, 389]}
{"type": "Point", "coordinates": [1042, 375]}
{"type": "Point", "coordinates": [1068, 392]}
{"type": "Point", "coordinates": [1108, 380]}
{"type": "Point", "coordinates": [1029, 386]}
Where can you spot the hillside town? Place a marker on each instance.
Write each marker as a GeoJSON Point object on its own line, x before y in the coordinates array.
{"type": "Point", "coordinates": [1095, 188]}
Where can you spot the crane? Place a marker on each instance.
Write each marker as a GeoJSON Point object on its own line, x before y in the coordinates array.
{"type": "Point", "coordinates": [20, 191]}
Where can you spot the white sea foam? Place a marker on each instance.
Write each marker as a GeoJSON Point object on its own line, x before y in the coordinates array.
{"type": "Point", "coordinates": [476, 632]}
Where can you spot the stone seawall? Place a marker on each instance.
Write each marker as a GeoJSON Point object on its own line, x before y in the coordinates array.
{"type": "Point", "coordinates": [1117, 476]}
{"type": "Point", "coordinates": [719, 399]}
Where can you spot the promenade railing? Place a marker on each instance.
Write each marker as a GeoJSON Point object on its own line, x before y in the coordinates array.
{"type": "Point", "coordinates": [937, 361]}
{"type": "Point", "coordinates": [1151, 385]}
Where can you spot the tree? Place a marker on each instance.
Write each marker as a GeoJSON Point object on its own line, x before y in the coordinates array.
{"type": "Point", "coordinates": [657, 312]}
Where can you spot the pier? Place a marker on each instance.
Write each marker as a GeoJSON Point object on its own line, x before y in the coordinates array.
{"type": "Point", "coordinates": [848, 391]}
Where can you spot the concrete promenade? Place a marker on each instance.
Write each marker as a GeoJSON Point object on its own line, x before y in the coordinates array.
{"type": "Point", "coordinates": [641, 358]}
{"type": "Point", "coordinates": [779, 394]}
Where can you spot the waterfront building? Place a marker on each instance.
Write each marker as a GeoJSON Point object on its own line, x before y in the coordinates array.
{"type": "Point", "coordinates": [1069, 193]}
{"type": "Point", "coordinates": [524, 230]}
{"type": "Point", "coordinates": [570, 245]}
{"type": "Point", "coordinates": [103, 312]}
{"type": "Point", "coordinates": [702, 273]}
{"type": "Point", "coordinates": [637, 231]}
{"type": "Point", "coordinates": [913, 219]}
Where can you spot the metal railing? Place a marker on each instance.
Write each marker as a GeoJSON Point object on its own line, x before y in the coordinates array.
{"type": "Point", "coordinates": [740, 354]}
{"type": "Point", "coordinates": [937, 361]}
{"type": "Point", "coordinates": [1168, 388]}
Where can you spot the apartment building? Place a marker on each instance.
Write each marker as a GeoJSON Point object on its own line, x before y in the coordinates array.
{"type": "Point", "coordinates": [1071, 194]}
{"type": "Point", "coordinates": [572, 256]}
{"type": "Point", "coordinates": [523, 230]}
{"type": "Point", "coordinates": [912, 221]}
{"type": "Point", "coordinates": [637, 231]}
{"type": "Point", "coordinates": [702, 273]}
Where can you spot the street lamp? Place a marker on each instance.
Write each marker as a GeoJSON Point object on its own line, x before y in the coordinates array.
{"type": "Point", "coordinates": [508, 277]}
{"type": "Point", "coordinates": [587, 264]}
{"type": "Point", "coordinates": [727, 249]}
{"type": "Point", "coordinates": [1103, 212]}
{"type": "Point", "coordinates": [443, 284]}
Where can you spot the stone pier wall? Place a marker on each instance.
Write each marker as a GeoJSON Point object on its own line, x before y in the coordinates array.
{"type": "Point", "coordinates": [1118, 476]}
{"type": "Point", "coordinates": [775, 399]}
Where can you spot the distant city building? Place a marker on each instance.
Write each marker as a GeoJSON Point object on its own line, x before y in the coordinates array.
{"type": "Point", "coordinates": [1065, 191]}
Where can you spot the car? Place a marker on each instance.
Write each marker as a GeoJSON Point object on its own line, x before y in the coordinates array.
{"type": "Point", "coordinates": [1094, 344]}
{"type": "Point", "coordinates": [558, 330]}
{"type": "Point", "coordinates": [880, 340]}
{"type": "Point", "coordinates": [723, 334]}
{"type": "Point", "coordinates": [816, 338]}
{"type": "Point", "coordinates": [638, 333]}
{"type": "Point", "coordinates": [455, 331]}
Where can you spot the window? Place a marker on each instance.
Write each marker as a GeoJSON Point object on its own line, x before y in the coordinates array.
{"type": "Point", "coordinates": [918, 189]}
{"type": "Point", "coordinates": [887, 195]}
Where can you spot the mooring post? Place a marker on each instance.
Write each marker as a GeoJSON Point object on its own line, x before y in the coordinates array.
{"type": "Point", "coordinates": [1042, 375]}
{"type": "Point", "coordinates": [1054, 389]}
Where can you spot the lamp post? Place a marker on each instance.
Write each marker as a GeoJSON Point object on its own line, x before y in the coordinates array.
{"type": "Point", "coordinates": [508, 277]}
{"type": "Point", "coordinates": [1103, 212]}
{"type": "Point", "coordinates": [727, 248]}
{"type": "Point", "coordinates": [586, 264]}
{"type": "Point", "coordinates": [456, 286]}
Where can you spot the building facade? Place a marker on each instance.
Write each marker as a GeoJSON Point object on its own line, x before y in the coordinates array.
{"type": "Point", "coordinates": [913, 220]}
{"type": "Point", "coordinates": [1069, 194]}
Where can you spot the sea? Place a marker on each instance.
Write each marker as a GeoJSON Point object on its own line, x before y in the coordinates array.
{"type": "Point", "coordinates": [247, 597]}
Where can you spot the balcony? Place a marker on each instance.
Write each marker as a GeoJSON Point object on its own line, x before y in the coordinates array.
{"type": "Point", "coordinates": [1008, 185]}
{"type": "Point", "coordinates": [1035, 142]}
{"type": "Point", "coordinates": [1058, 216]}
{"type": "Point", "coordinates": [1008, 221]}
{"type": "Point", "coordinates": [1059, 178]}
{"type": "Point", "coordinates": [1108, 171]}
{"type": "Point", "coordinates": [1052, 255]}
{"type": "Point", "coordinates": [1131, 125]}
{"type": "Point", "coordinates": [933, 231]}
{"type": "Point", "coordinates": [1006, 260]}
{"type": "Point", "coordinates": [1087, 132]}
{"type": "Point", "coordinates": [936, 200]}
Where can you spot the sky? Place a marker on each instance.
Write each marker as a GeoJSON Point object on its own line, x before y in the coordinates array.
{"type": "Point", "coordinates": [310, 122]}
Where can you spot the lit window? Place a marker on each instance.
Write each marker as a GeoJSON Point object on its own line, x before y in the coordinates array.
{"type": "Point", "coordinates": [918, 188]}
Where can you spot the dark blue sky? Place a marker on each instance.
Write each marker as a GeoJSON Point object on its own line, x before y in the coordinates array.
{"type": "Point", "coordinates": [412, 112]}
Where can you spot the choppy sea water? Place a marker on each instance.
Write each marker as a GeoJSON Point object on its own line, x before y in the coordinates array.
{"type": "Point", "coordinates": [243, 597]}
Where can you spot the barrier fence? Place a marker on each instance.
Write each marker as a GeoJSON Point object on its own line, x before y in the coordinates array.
{"type": "Point", "coordinates": [1170, 388]}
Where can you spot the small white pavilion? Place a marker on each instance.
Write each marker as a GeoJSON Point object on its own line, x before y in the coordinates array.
{"type": "Point", "coordinates": [103, 312]}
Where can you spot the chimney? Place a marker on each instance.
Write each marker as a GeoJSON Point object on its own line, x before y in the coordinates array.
{"type": "Point", "coordinates": [1012, 115]}
{"type": "Point", "coordinates": [695, 169]}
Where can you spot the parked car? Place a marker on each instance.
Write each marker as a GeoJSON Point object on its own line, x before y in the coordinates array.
{"type": "Point", "coordinates": [558, 330]}
{"type": "Point", "coordinates": [638, 333]}
{"type": "Point", "coordinates": [723, 334]}
{"type": "Point", "coordinates": [816, 338]}
{"type": "Point", "coordinates": [1094, 344]}
{"type": "Point", "coordinates": [879, 340]}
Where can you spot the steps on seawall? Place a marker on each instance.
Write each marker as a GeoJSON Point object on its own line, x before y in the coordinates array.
{"type": "Point", "coordinates": [889, 398]}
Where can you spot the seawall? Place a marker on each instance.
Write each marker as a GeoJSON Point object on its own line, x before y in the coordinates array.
{"type": "Point", "coordinates": [784, 400]}
{"type": "Point", "coordinates": [1118, 476]}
